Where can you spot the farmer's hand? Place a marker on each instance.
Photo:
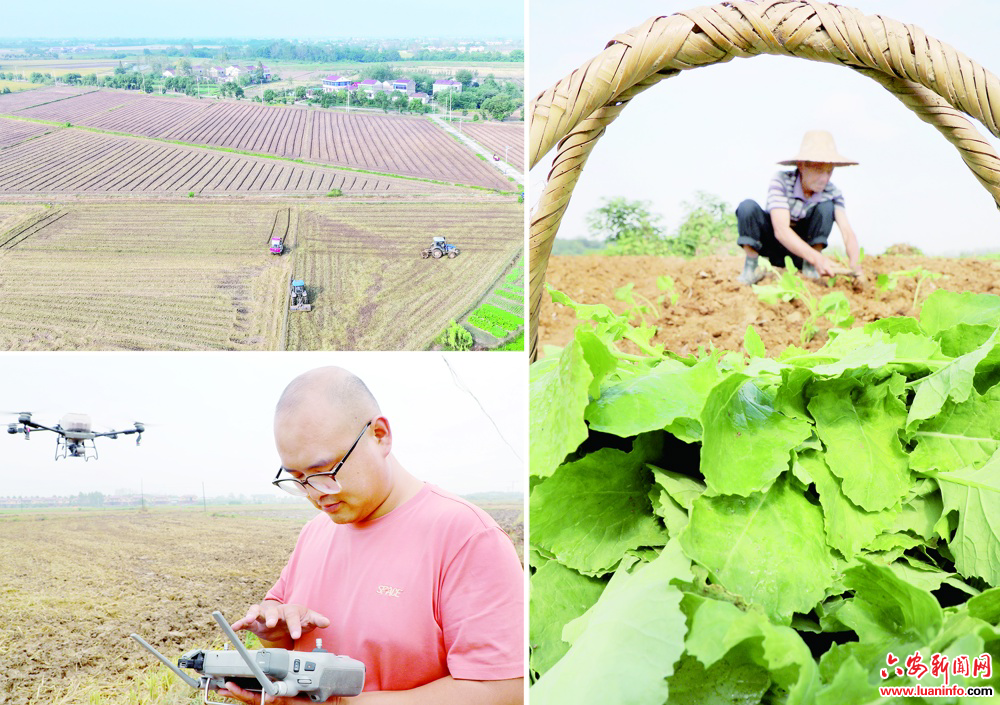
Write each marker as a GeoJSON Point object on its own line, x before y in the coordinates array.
{"type": "Point", "coordinates": [825, 266]}
{"type": "Point", "coordinates": [276, 623]}
{"type": "Point", "coordinates": [236, 693]}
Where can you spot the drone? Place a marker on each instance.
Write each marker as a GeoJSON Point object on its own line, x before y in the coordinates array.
{"type": "Point", "coordinates": [317, 674]}
{"type": "Point", "coordinates": [74, 437]}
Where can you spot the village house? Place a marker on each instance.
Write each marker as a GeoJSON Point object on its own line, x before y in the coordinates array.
{"type": "Point", "coordinates": [334, 83]}
{"type": "Point", "coordinates": [371, 87]}
{"type": "Point", "coordinates": [404, 85]}
{"type": "Point", "coordinates": [446, 84]}
{"type": "Point", "coordinates": [252, 71]}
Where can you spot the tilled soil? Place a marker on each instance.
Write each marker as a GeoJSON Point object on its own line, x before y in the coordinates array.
{"type": "Point", "coordinates": [74, 585]}
{"type": "Point", "coordinates": [714, 308]}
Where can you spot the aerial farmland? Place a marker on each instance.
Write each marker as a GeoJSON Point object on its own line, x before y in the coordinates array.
{"type": "Point", "coordinates": [143, 222]}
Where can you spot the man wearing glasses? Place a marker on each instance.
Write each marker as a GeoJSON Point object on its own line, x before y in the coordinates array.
{"type": "Point", "coordinates": [421, 586]}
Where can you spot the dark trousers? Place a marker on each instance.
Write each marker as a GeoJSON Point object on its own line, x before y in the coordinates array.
{"type": "Point", "coordinates": [755, 229]}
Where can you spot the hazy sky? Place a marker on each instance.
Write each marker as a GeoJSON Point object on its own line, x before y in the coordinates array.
{"type": "Point", "coordinates": [289, 19]}
{"type": "Point", "coordinates": [209, 417]}
{"type": "Point", "coordinates": [721, 128]}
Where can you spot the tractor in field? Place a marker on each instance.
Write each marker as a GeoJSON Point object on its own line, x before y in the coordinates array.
{"type": "Point", "coordinates": [276, 247]}
{"type": "Point", "coordinates": [299, 297]}
{"type": "Point", "coordinates": [439, 248]}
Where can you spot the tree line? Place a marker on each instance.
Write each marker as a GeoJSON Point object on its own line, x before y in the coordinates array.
{"type": "Point", "coordinates": [283, 50]}
{"type": "Point", "coordinates": [626, 227]}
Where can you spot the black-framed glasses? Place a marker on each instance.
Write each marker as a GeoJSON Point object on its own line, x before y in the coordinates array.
{"type": "Point", "coordinates": [322, 482]}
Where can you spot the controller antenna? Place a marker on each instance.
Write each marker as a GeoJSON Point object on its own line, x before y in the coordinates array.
{"type": "Point", "coordinates": [319, 646]}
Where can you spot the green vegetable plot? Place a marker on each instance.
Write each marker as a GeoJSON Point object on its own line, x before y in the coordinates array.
{"type": "Point", "coordinates": [503, 313]}
{"type": "Point", "coordinates": [730, 528]}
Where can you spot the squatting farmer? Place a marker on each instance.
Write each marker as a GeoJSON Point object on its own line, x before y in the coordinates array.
{"type": "Point", "coordinates": [421, 586]}
{"type": "Point", "coordinates": [802, 206]}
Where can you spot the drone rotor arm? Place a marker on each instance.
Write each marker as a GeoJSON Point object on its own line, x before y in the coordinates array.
{"type": "Point", "coordinates": [113, 434]}
{"type": "Point", "coordinates": [39, 427]}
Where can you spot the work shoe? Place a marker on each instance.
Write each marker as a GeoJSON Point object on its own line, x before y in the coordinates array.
{"type": "Point", "coordinates": [751, 276]}
{"type": "Point", "coordinates": [809, 271]}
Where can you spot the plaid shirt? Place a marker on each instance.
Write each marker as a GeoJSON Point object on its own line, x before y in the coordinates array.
{"type": "Point", "coordinates": [785, 191]}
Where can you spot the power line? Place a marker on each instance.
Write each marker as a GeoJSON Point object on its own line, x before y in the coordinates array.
{"type": "Point", "coordinates": [461, 386]}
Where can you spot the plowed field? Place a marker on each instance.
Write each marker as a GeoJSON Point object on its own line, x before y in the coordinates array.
{"type": "Point", "coordinates": [714, 309]}
{"type": "Point", "coordinates": [144, 277]}
{"type": "Point", "coordinates": [500, 138]}
{"type": "Point", "coordinates": [373, 291]}
{"type": "Point", "coordinates": [388, 144]}
{"type": "Point", "coordinates": [14, 131]}
{"type": "Point", "coordinates": [11, 102]}
{"type": "Point", "coordinates": [75, 161]}
{"type": "Point", "coordinates": [187, 275]}
{"type": "Point", "coordinates": [75, 585]}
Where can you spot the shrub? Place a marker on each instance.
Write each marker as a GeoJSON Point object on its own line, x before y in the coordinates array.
{"type": "Point", "coordinates": [456, 337]}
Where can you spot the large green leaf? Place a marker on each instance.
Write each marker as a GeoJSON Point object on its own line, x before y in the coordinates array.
{"type": "Point", "coordinates": [975, 495]}
{"type": "Point", "coordinates": [599, 357]}
{"type": "Point", "coordinates": [558, 398]}
{"type": "Point", "coordinates": [885, 607]}
{"type": "Point", "coordinates": [859, 424]}
{"type": "Point", "coordinates": [853, 349]}
{"type": "Point", "coordinates": [849, 687]}
{"type": "Point", "coordinates": [733, 680]}
{"type": "Point", "coordinates": [747, 442]}
{"type": "Point", "coordinates": [769, 548]}
{"type": "Point", "coordinates": [953, 382]}
{"type": "Point", "coordinates": [887, 613]}
{"type": "Point", "coordinates": [670, 395]}
{"type": "Point", "coordinates": [945, 309]}
{"type": "Point", "coordinates": [961, 435]}
{"type": "Point", "coordinates": [718, 627]}
{"type": "Point", "coordinates": [629, 640]}
{"type": "Point", "coordinates": [591, 511]}
{"type": "Point", "coordinates": [963, 338]}
{"type": "Point", "coordinates": [848, 527]}
{"type": "Point", "coordinates": [558, 595]}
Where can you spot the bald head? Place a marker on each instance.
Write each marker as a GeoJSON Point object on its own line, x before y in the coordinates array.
{"type": "Point", "coordinates": [332, 387]}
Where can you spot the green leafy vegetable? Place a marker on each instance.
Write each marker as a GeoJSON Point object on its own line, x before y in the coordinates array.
{"type": "Point", "coordinates": [731, 528]}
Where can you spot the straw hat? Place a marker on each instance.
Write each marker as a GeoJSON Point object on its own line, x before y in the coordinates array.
{"type": "Point", "coordinates": [818, 147]}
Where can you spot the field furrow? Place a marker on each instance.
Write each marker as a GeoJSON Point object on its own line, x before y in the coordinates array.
{"type": "Point", "coordinates": [500, 138]}
{"type": "Point", "coordinates": [14, 131]}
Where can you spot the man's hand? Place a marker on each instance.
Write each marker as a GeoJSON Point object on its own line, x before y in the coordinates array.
{"type": "Point", "coordinates": [280, 625]}
{"type": "Point", "coordinates": [236, 693]}
{"type": "Point", "coordinates": [825, 266]}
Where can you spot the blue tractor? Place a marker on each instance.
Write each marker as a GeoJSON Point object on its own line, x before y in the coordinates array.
{"type": "Point", "coordinates": [439, 248]}
{"type": "Point", "coordinates": [299, 297]}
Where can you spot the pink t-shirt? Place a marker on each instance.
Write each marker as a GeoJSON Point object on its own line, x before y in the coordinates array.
{"type": "Point", "coordinates": [433, 588]}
